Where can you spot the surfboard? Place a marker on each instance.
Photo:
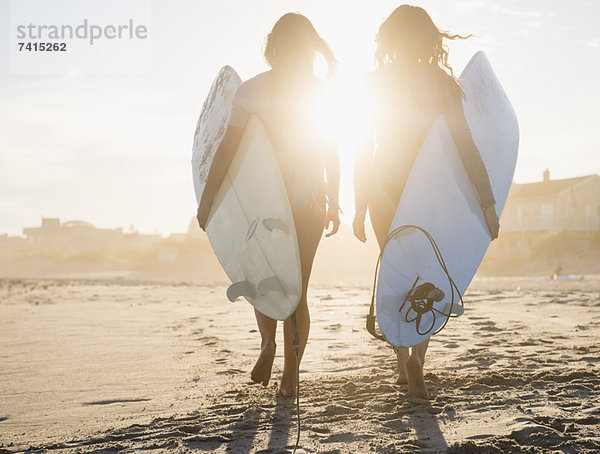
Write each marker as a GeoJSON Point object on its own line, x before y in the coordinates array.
{"type": "Point", "coordinates": [211, 126]}
{"type": "Point", "coordinates": [561, 277]}
{"type": "Point", "coordinates": [250, 225]}
{"type": "Point", "coordinates": [439, 198]}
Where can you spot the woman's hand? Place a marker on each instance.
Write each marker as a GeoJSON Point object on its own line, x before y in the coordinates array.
{"type": "Point", "coordinates": [492, 221]}
{"type": "Point", "coordinates": [333, 218]}
{"type": "Point", "coordinates": [358, 226]}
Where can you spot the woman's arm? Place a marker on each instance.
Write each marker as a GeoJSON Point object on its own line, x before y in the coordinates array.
{"type": "Point", "coordinates": [223, 157]}
{"type": "Point", "coordinates": [362, 172]}
{"type": "Point", "coordinates": [332, 172]}
{"type": "Point", "coordinates": [471, 159]}
{"type": "Point", "coordinates": [363, 157]}
{"type": "Point", "coordinates": [225, 153]}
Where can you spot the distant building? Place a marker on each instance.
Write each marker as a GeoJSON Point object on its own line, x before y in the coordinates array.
{"type": "Point", "coordinates": [553, 205]}
{"type": "Point", "coordinates": [533, 210]}
{"type": "Point", "coordinates": [72, 236]}
{"type": "Point", "coordinates": [11, 242]}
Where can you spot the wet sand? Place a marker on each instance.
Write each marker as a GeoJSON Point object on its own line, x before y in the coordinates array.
{"type": "Point", "coordinates": [89, 365]}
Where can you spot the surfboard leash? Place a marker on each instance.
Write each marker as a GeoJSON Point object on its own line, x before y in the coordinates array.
{"type": "Point", "coordinates": [420, 303]}
{"type": "Point", "coordinates": [296, 347]}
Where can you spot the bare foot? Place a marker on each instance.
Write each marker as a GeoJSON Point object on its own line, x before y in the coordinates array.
{"type": "Point", "coordinates": [286, 393]}
{"type": "Point", "coordinates": [288, 386]}
{"type": "Point", "coordinates": [416, 382]}
{"type": "Point", "coordinates": [402, 378]}
{"type": "Point", "coordinates": [261, 373]}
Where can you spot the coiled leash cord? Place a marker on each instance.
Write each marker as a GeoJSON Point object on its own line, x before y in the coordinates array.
{"type": "Point", "coordinates": [420, 298]}
{"type": "Point", "coordinates": [296, 347]}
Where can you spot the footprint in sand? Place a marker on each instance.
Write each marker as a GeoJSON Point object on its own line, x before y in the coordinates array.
{"type": "Point", "coordinates": [230, 372]}
{"type": "Point", "coordinates": [581, 328]}
{"type": "Point", "coordinates": [528, 343]}
{"type": "Point", "coordinates": [450, 345]}
{"type": "Point", "coordinates": [318, 430]}
{"type": "Point", "coordinates": [337, 346]}
{"type": "Point", "coordinates": [334, 327]}
{"type": "Point", "coordinates": [207, 340]}
{"type": "Point", "coordinates": [590, 359]}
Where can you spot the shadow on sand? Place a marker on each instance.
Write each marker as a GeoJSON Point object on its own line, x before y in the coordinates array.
{"type": "Point", "coordinates": [427, 429]}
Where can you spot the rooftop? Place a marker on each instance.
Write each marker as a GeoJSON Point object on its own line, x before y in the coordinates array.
{"type": "Point", "coordinates": [545, 188]}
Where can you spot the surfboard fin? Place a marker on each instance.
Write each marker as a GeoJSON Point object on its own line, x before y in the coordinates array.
{"type": "Point", "coordinates": [269, 284]}
{"type": "Point", "coordinates": [251, 229]}
{"type": "Point", "coordinates": [241, 288]}
{"type": "Point", "coordinates": [275, 224]}
{"type": "Point", "coordinates": [454, 309]}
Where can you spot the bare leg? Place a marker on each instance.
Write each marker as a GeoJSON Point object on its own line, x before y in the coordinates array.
{"type": "Point", "coordinates": [414, 367]}
{"type": "Point", "coordinates": [382, 207]}
{"type": "Point", "coordinates": [288, 379]}
{"type": "Point", "coordinates": [381, 212]}
{"type": "Point", "coordinates": [261, 373]}
{"type": "Point", "coordinates": [420, 350]}
{"type": "Point", "coordinates": [401, 357]}
{"type": "Point", "coordinates": [309, 228]}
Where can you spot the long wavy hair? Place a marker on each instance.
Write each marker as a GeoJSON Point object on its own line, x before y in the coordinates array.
{"type": "Point", "coordinates": [294, 42]}
{"type": "Point", "coordinates": [409, 33]}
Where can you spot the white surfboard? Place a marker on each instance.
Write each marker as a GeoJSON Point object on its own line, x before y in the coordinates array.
{"type": "Point", "coordinates": [440, 198]}
{"type": "Point", "coordinates": [250, 225]}
{"type": "Point", "coordinates": [212, 124]}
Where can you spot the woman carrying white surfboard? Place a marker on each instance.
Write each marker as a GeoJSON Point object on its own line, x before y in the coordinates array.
{"type": "Point", "coordinates": [284, 99]}
{"type": "Point", "coordinates": [412, 85]}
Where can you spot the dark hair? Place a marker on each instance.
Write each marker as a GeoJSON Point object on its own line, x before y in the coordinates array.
{"type": "Point", "coordinates": [409, 30]}
{"type": "Point", "coordinates": [294, 38]}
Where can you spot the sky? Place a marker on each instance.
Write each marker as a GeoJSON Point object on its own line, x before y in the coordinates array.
{"type": "Point", "coordinates": [115, 150]}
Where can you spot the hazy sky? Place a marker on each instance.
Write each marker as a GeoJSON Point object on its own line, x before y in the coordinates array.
{"type": "Point", "coordinates": [116, 150]}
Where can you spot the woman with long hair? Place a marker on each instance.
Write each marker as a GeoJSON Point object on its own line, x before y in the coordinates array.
{"type": "Point", "coordinates": [412, 85]}
{"type": "Point", "coordinates": [284, 98]}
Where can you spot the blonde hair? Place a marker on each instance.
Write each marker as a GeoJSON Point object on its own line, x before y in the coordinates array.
{"type": "Point", "coordinates": [410, 31]}
{"type": "Point", "coordinates": [294, 38]}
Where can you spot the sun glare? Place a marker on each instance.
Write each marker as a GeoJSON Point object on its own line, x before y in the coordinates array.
{"type": "Point", "coordinates": [344, 109]}
{"type": "Point", "coordinates": [341, 115]}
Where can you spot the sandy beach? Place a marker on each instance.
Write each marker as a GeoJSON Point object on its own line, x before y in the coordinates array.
{"type": "Point", "coordinates": [146, 144]}
{"type": "Point", "coordinates": [110, 365]}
